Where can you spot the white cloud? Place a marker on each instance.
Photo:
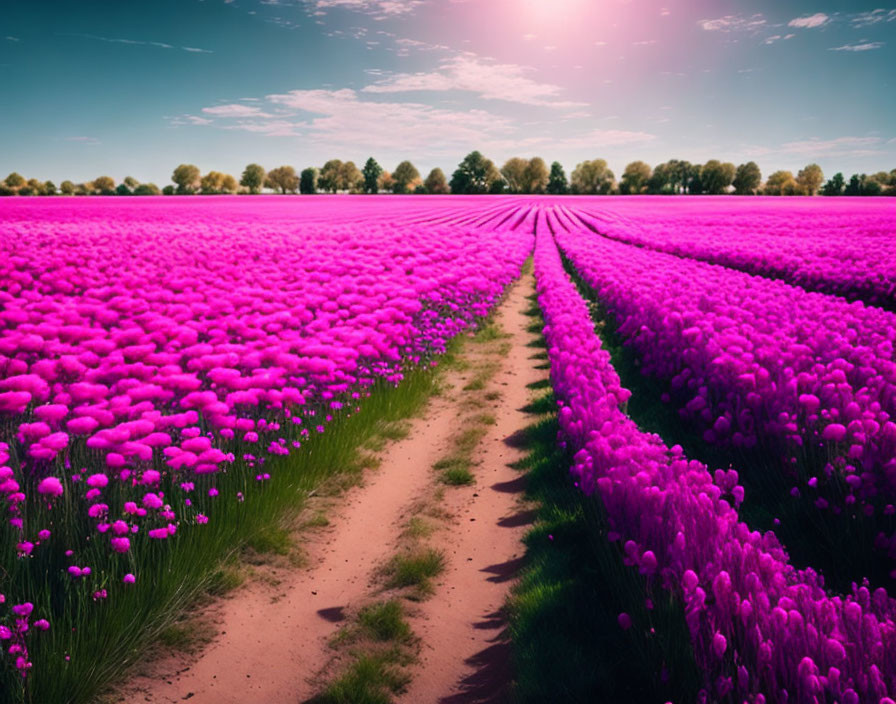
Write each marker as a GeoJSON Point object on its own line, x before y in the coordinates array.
{"type": "Point", "coordinates": [12, 39]}
{"type": "Point", "coordinates": [777, 38]}
{"type": "Point", "coordinates": [734, 23]}
{"type": "Point", "coordinates": [839, 146]}
{"type": "Point", "coordinates": [379, 9]}
{"type": "Point", "coordinates": [195, 50]}
{"type": "Point", "coordinates": [865, 19]}
{"type": "Point", "coordinates": [645, 42]}
{"type": "Point", "coordinates": [861, 46]}
{"type": "Point", "coordinates": [235, 110]}
{"type": "Point", "coordinates": [83, 140]}
{"type": "Point", "coordinates": [811, 21]}
{"type": "Point", "coordinates": [490, 81]}
{"type": "Point", "coordinates": [344, 118]}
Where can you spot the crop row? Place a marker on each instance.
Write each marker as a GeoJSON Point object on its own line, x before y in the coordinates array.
{"type": "Point", "coordinates": [753, 361]}
{"type": "Point", "coordinates": [846, 249]}
{"type": "Point", "coordinates": [761, 631]}
{"type": "Point", "coordinates": [146, 357]}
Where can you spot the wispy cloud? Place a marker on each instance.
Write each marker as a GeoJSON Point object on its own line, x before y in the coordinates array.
{"type": "Point", "coordinates": [860, 46]}
{"type": "Point", "coordinates": [839, 146]}
{"type": "Point", "coordinates": [12, 39]}
{"type": "Point", "coordinates": [83, 140]}
{"type": "Point", "coordinates": [819, 19]}
{"type": "Point", "coordinates": [734, 23]}
{"type": "Point", "coordinates": [866, 19]}
{"type": "Point", "coordinates": [488, 80]}
{"type": "Point", "coordinates": [378, 9]}
{"type": "Point", "coordinates": [138, 42]}
{"type": "Point", "coordinates": [235, 110]}
{"type": "Point", "coordinates": [779, 38]}
{"type": "Point", "coordinates": [181, 120]}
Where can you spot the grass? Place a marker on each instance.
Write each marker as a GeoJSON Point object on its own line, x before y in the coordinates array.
{"type": "Point", "coordinates": [187, 637]}
{"type": "Point", "coordinates": [103, 643]}
{"type": "Point", "coordinates": [418, 528]}
{"type": "Point", "coordinates": [457, 476]}
{"type": "Point", "coordinates": [385, 622]}
{"type": "Point", "coordinates": [371, 679]}
{"type": "Point", "coordinates": [414, 569]}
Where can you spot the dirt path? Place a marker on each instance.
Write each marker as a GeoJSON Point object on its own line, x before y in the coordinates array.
{"type": "Point", "coordinates": [465, 658]}
{"type": "Point", "coordinates": [271, 643]}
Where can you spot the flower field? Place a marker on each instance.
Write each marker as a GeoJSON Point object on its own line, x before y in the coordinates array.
{"type": "Point", "coordinates": [174, 371]}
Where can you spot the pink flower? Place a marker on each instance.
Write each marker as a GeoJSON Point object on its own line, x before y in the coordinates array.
{"type": "Point", "coordinates": [129, 578]}
{"type": "Point", "coordinates": [151, 500]}
{"type": "Point", "coordinates": [201, 518]}
{"type": "Point", "coordinates": [50, 486]}
{"type": "Point", "coordinates": [43, 534]}
{"type": "Point", "coordinates": [97, 481]}
{"type": "Point", "coordinates": [42, 624]}
{"type": "Point", "coordinates": [121, 544]}
{"type": "Point", "coordinates": [23, 610]}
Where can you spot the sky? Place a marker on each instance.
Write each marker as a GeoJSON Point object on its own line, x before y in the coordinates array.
{"type": "Point", "coordinates": [118, 88]}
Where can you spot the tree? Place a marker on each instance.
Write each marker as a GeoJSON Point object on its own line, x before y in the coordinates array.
{"type": "Point", "coordinates": [253, 178]}
{"type": "Point", "coordinates": [283, 179]}
{"type": "Point", "coordinates": [67, 188]}
{"type": "Point", "coordinates": [835, 186]}
{"type": "Point", "coordinates": [49, 188]}
{"type": "Point", "coordinates": [557, 183]}
{"type": "Point", "coordinates": [122, 190]}
{"type": "Point", "coordinates": [36, 187]}
{"type": "Point", "coordinates": [187, 179]}
{"type": "Point", "coordinates": [371, 172]}
{"type": "Point", "coordinates": [330, 176]}
{"type": "Point", "coordinates": [810, 179]}
{"type": "Point", "coordinates": [131, 182]}
{"type": "Point", "coordinates": [168, 190]}
{"type": "Point", "coordinates": [146, 189]}
{"type": "Point", "coordinates": [419, 190]}
{"type": "Point", "coordinates": [229, 184]}
{"type": "Point", "coordinates": [514, 174]}
{"type": "Point", "coordinates": [716, 177]}
{"type": "Point", "coordinates": [747, 179]}
{"type": "Point", "coordinates": [385, 182]}
{"type": "Point", "coordinates": [435, 182]}
{"type": "Point", "coordinates": [350, 178]}
{"type": "Point", "coordinates": [497, 185]}
{"type": "Point", "coordinates": [592, 177]}
{"type": "Point", "coordinates": [84, 189]}
{"type": "Point", "coordinates": [211, 183]}
{"type": "Point", "coordinates": [635, 178]}
{"type": "Point", "coordinates": [405, 176]}
{"type": "Point", "coordinates": [6, 190]}
{"type": "Point", "coordinates": [474, 174]}
{"type": "Point", "coordinates": [782, 183]}
{"type": "Point", "coordinates": [308, 181]}
{"type": "Point", "coordinates": [536, 176]}
{"type": "Point", "coordinates": [15, 180]}
{"type": "Point", "coordinates": [104, 185]}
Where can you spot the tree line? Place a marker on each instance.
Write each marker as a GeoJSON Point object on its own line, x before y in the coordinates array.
{"type": "Point", "coordinates": [478, 174]}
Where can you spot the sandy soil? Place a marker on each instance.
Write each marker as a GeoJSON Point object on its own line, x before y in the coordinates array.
{"type": "Point", "coordinates": [272, 642]}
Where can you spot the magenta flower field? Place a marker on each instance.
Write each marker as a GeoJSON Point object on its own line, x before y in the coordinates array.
{"type": "Point", "coordinates": [173, 369]}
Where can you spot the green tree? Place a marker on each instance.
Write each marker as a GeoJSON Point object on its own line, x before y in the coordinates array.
{"type": "Point", "coordinates": [514, 174]}
{"type": "Point", "coordinates": [308, 181]}
{"type": "Point", "coordinates": [253, 178]}
{"type": "Point", "coordinates": [536, 176]}
{"type": "Point", "coordinates": [747, 179]}
{"type": "Point", "coordinates": [497, 186]}
{"type": "Point", "coordinates": [835, 186]}
{"type": "Point", "coordinates": [592, 177]}
{"type": "Point", "coordinates": [6, 190]}
{"type": "Point", "coordinates": [557, 183]}
{"type": "Point", "coordinates": [350, 178]}
{"type": "Point", "coordinates": [474, 174]}
{"type": "Point", "coordinates": [229, 184]}
{"type": "Point", "coordinates": [435, 182]}
{"type": "Point", "coordinates": [810, 179]}
{"type": "Point", "coordinates": [330, 176]}
{"type": "Point", "coordinates": [187, 179]}
{"type": "Point", "coordinates": [104, 185]}
{"type": "Point", "coordinates": [36, 187]}
{"type": "Point", "coordinates": [122, 190]}
{"type": "Point", "coordinates": [406, 177]}
{"type": "Point", "coordinates": [782, 183]}
{"type": "Point", "coordinates": [131, 182]}
{"type": "Point", "coordinates": [84, 189]}
{"type": "Point", "coordinates": [49, 188]}
{"type": "Point", "coordinates": [146, 189]}
{"type": "Point", "coordinates": [15, 180]}
{"type": "Point", "coordinates": [371, 172]}
{"type": "Point", "coordinates": [211, 183]}
{"type": "Point", "coordinates": [716, 177]}
{"type": "Point", "coordinates": [67, 188]}
{"type": "Point", "coordinates": [635, 178]}
{"type": "Point", "coordinates": [283, 179]}
{"type": "Point", "coordinates": [169, 190]}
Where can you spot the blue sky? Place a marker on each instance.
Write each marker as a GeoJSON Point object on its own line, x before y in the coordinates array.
{"type": "Point", "coordinates": [127, 88]}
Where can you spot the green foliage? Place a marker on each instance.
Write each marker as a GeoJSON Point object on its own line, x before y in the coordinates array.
{"type": "Point", "coordinates": [747, 179]}
{"type": "Point", "coordinates": [308, 181]}
{"type": "Point", "coordinates": [122, 190]}
{"type": "Point", "coordinates": [371, 679]}
{"type": "Point", "coordinates": [67, 188]}
{"type": "Point", "coordinates": [15, 180]}
{"type": "Point", "coordinates": [436, 183]}
{"type": "Point", "coordinates": [635, 178]}
{"type": "Point", "coordinates": [782, 183]}
{"type": "Point", "coordinates": [146, 189]}
{"type": "Point", "coordinates": [283, 179]}
{"type": "Point", "coordinates": [187, 179]}
{"type": "Point", "coordinates": [168, 191]}
{"type": "Point", "coordinates": [371, 172]}
{"type": "Point", "coordinates": [104, 185]}
{"type": "Point", "coordinates": [592, 178]}
{"type": "Point", "coordinates": [716, 177]}
{"type": "Point", "coordinates": [557, 183]}
{"type": "Point", "coordinates": [475, 174]}
{"type": "Point", "coordinates": [385, 622]}
{"type": "Point", "coordinates": [810, 179]}
{"type": "Point", "coordinates": [414, 569]}
{"type": "Point", "coordinates": [404, 177]}
{"type": "Point", "coordinates": [253, 178]}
